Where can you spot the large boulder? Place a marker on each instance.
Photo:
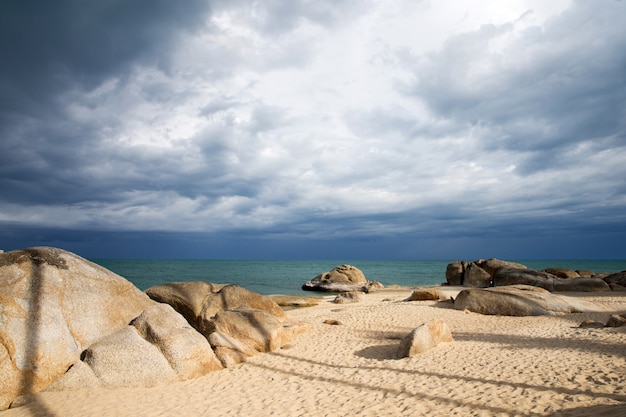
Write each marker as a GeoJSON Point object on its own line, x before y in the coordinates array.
{"type": "Point", "coordinates": [158, 347]}
{"type": "Point", "coordinates": [477, 273]}
{"type": "Point", "coordinates": [53, 305]}
{"type": "Point", "coordinates": [342, 278]}
{"type": "Point", "coordinates": [519, 300]}
{"type": "Point", "coordinates": [229, 316]}
{"type": "Point", "coordinates": [239, 333]}
{"type": "Point", "coordinates": [187, 298]}
{"type": "Point", "coordinates": [476, 277]}
{"type": "Point", "coordinates": [199, 301]}
{"type": "Point", "coordinates": [618, 278]}
{"type": "Point", "coordinates": [545, 280]}
{"type": "Point", "coordinates": [424, 337]}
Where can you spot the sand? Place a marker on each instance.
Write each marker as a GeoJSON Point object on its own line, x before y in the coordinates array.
{"type": "Point", "coordinates": [497, 366]}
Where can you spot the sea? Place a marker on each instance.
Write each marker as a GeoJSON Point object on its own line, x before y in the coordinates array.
{"type": "Point", "coordinates": [286, 277]}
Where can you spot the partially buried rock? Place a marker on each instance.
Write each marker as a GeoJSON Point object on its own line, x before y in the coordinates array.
{"type": "Point", "coordinates": [343, 278]}
{"type": "Point", "coordinates": [348, 297]}
{"type": "Point", "coordinates": [519, 300]}
{"type": "Point", "coordinates": [616, 320]}
{"type": "Point", "coordinates": [423, 338]}
{"type": "Point", "coordinates": [293, 301]}
{"type": "Point", "coordinates": [424, 294]}
{"type": "Point", "coordinates": [53, 305]}
{"type": "Point", "coordinates": [591, 324]}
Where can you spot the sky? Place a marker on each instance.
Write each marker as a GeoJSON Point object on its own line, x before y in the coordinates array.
{"type": "Point", "coordinates": [298, 129]}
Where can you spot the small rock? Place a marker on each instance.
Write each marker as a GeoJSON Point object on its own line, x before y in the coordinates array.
{"type": "Point", "coordinates": [333, 322]}
{"type": "Point", "coordinates": [348, 297]}
{"type": "Point", "coordinates": [425, 337]}
{"type": "Point", "coordinates": [615, 320]}
{"type": "Point", "coordinates": [424, 294]}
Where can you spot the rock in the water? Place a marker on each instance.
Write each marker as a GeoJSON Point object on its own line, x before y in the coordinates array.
{"type": "Point", "coordinates": [425, 337]}
{"type": "Point", "coordinates": [54, 304]}
{"type": "Point", "coordinates": [490, 265]}
{"type": "Point", "coordinates": [343, 278]}
{"type": "Point", "coordinates": [454, 273]}
{"type": "Point", "coordinates": [519, 300]}
{"type": "Point", "coordinates": [424, 294]}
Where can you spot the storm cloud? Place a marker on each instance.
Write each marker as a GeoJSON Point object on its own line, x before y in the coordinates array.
{"type": "Point", "coordinates": [314, 129]}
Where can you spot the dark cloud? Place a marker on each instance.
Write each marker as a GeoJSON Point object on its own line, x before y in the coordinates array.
{"type": "Point", "coordinates": [550, 89]}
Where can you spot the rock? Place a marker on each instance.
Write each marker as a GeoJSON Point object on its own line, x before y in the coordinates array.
{"type": "Point", "coordinates": [618, 278]}
{"type": "Point", "coordinates": [585, 273]}
{"type": "Point", "coordinates": [348, 297]}
{"type": "Point", "coordinates": [490, 265]}
{"type": "Point", "coordinates": [562, 272]}
{"type": "Point", "coordinates": [476, 277]}
{"type": "Point", "coordinates": [580, 284]}
{"type": "Point", "coordinates": [519, 300]}
{"type": "Point", "coordinates": [333, 322]}
{"type": "Point", "coordinates": [243, 332]}
{"type": "Point", "coordinates": [591, 324]}
{"type": "Point", "coordinates": [616, 320]}
{"type": "Point", "coordinates": [343, 278]}
{"type": "Point", "coordinates": [53, 305]}
{"type": "Point", "coordinates": [617, 287]}
{"type": "Point", "coordinates": [186, 350]}
{"type": "Point", "coordinates": [425, 337]}
{"type": "Point", "coordinates": [292, 301]}
{"type": "Point", "coordinates": [423, 294]}
{"type": "Point", "coordinates": [198, 302]}
{"type": "Point", "coordinates": [508, 276]}
{"type": "Point", "coordinates": [125, 359]}
{"type": "Point", "coordinates": [454, 273]}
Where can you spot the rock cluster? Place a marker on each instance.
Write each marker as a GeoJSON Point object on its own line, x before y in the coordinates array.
{"type": "Point", "coordinates": [342, 278]}
{"type": "Point", "coordinates": [68, 323]}
{"type": "Point", "coordinates": [496, 273]}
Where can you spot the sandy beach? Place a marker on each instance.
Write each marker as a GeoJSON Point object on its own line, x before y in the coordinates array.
{"type": "Point", "coordinates": [497, 366]}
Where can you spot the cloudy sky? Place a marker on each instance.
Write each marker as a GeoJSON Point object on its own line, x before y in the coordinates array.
{"type": "Point", "coordinates": [314, 129]}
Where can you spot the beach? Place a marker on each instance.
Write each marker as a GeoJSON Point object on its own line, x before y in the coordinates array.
{"type": "Point", "coordinates": [496, 366]}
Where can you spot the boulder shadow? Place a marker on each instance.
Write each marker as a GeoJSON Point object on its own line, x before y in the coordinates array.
{"type": "Point", "coordinates": [379, 352]}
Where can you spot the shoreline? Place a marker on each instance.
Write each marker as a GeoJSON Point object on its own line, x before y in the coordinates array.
{"type": "Point", "coordinates": [497, 365]}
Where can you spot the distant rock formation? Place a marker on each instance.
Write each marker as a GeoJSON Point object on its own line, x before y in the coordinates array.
{"type": "Point", "coordinates": [342, 278]}
{"type": "Point", "coordinates": [496, 273]}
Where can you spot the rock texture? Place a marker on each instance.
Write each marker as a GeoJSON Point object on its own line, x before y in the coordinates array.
{"type": "Point", "coordinates": [51, 309]}
{"type": "Point", "coordinates": [342, 278]}
{"type": "Point", "coordinates": [425, 337]}
{"type": "Point", "coordinates": [547, 281]}
{"type": "Point", "coordinates": [478, 273]}
{"type": "Point", "coordinates": [235, 321]}
{"type": "Point", "coordinates": [518, 300]}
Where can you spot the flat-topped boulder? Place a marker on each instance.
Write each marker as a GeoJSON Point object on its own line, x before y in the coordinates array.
{"type": "Point", "coordinates": [342, 278]}
{"type": "Point", "coordinates": [54, 304]}
{"type": "Point", "coordinates": [519, 300]}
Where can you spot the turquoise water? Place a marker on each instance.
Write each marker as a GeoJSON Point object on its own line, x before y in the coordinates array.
{"type": "Point", "coordinates": [286, 277]}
